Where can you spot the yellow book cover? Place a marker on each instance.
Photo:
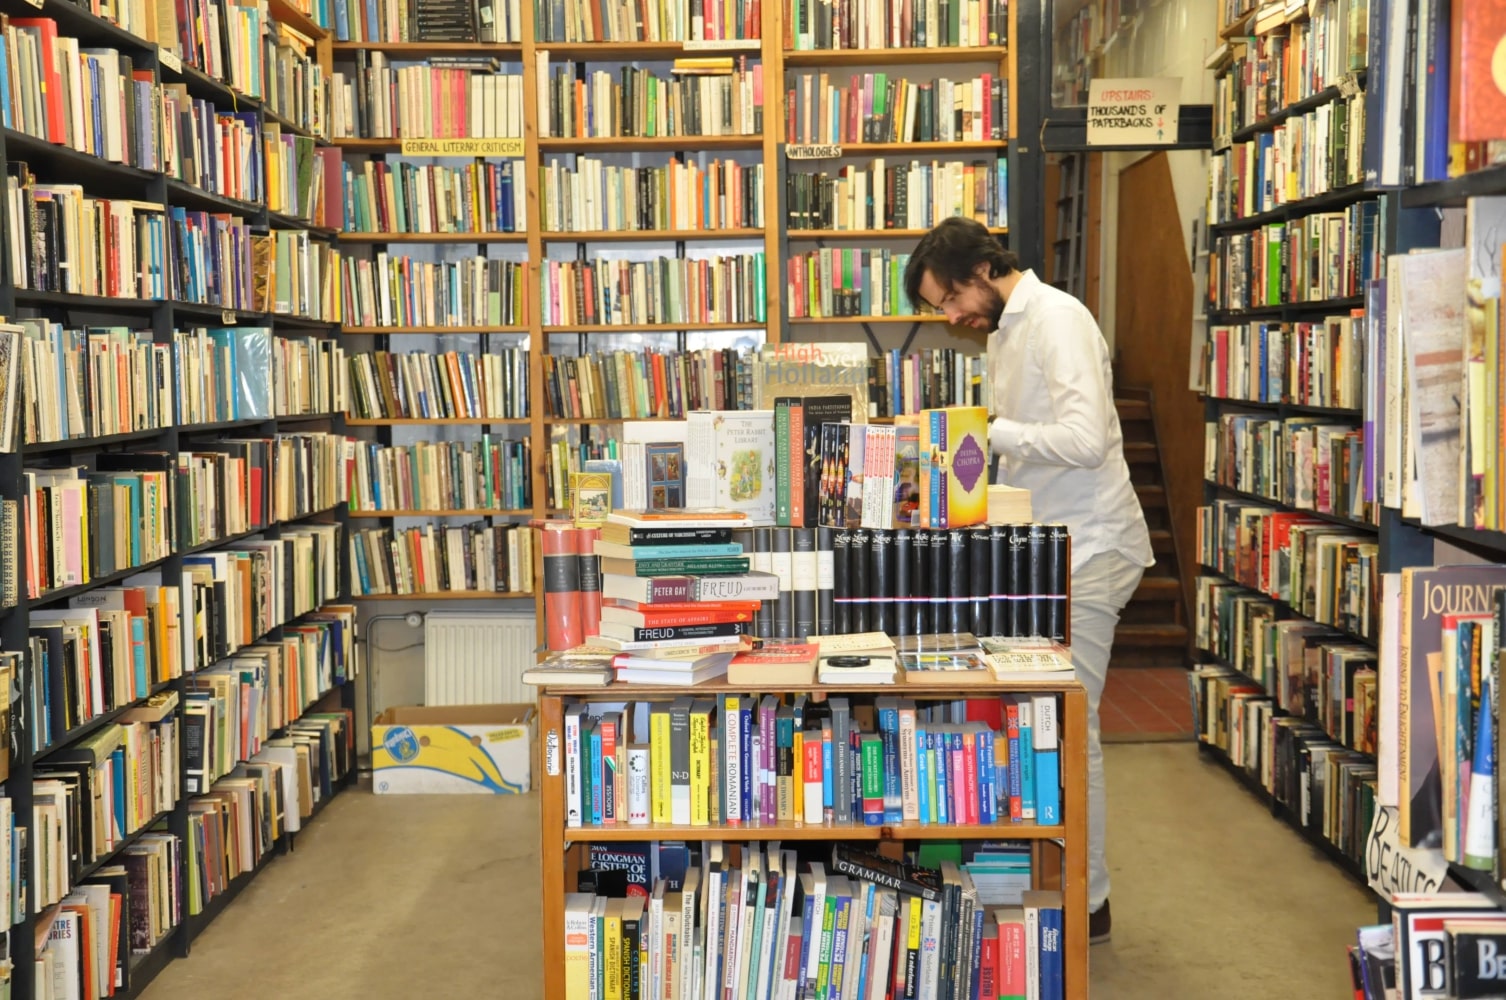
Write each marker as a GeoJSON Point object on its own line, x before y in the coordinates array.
{"type": "Point", "coordinates": [612, 950]}
{"type": "Point", "coordinates": [700, 764]}
{"type": "Point", "coordinates": [953, 467]}
{"type": "Point", "coordinates": [590, 498]}
{"type": "Point", "coordinates": [658, 763]}
{"type": "Point", "coordinates": [797, 798]}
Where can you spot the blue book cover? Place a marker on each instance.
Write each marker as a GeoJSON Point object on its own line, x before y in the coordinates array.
{"type": "Point", "coordinates": [922, 773]}
{"type": "Point", "coordinates": [807, 918]}
{"type": "Point", "coordinates": [828, 801]}
{"type": "Point", "coordinates": [943, 777]}
{"type": "Point", "coordinates": [1047, 760]}
{"type": "Point", "coordinates": [745, 726]}
{"type": "Point", "coordinates": [596, 776]}
{"type": "Point", "coordinates": [1052, 980]}
{"type": "Point", "coordinates": [988, 796]}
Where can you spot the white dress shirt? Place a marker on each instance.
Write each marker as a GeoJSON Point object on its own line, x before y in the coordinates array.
{"type": "Point", "coordinates": [1054, 424]}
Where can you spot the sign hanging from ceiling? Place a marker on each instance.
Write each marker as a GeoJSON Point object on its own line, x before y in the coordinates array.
{"type": "Point", "coordinates": [1134, 111]}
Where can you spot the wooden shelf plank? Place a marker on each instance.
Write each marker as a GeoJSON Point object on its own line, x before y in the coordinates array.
{"type": "Point", "coordinates": [918, 148]}
{"type": "Point", "coordinates": [899, 57]}
{"type": "Point", "coordinates": [444, 595]}
{"type": "Point", "coordinates": [602, 420]}
{"type": "Point", "coordinates": [422, 50]}
{"type": "Point", "coordinates": [870, 234]}
{"type": "Point", "coordinates": [364, 331]}
{"type": "Point", "coordinates": [475, 512]}
{"type": "Point", "coordinates": [919, 318]}
{"type": "Point", "coordinates": [815, 831]}
{"type": "Point", "coordinates": [433, 237]}
{"type": "Point", "coordinates": [650, 327]}
{"type": "Point", "coordinates": [282, 10]}
{"type": "Point", "coordinates": [435, 421]}
{"type": "Point", "coordinates": [619, 692]}
{"type": "Point", "coordinates": [649, 143]}
{"type": "Point", "coordinates": [643, 50]}
{"type": "Point", "coordinates": [646, 235]}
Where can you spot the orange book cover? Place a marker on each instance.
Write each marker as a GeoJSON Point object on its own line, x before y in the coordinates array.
{"type": "Point", "coordinates": [1477, 104]}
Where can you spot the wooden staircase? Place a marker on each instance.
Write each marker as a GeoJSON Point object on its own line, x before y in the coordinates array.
{"type": "Point", "coordinates": [1152, 628]}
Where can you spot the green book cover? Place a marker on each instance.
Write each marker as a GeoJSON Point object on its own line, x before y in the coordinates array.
{"type": "Point", "coordinates": [782, 461]}
{"type": "Point", "coordinates": [684, 567]}
{"type": "Point", "coordinates": [873, 766]}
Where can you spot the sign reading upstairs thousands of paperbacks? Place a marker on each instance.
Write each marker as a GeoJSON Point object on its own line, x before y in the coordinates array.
{"type": "Point", "coordinates": [1134, 112]}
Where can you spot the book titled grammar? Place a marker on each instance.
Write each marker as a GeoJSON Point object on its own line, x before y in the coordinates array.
{"type": "Point", "coordinates": [953, 467]}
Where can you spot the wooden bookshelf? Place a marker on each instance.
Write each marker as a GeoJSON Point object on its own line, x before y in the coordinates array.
{"type": "Point", "coordinates": [641, 51]}
{"type": "Point", "coordinates": [597, 421]}
{"type": "Point", "coordinates": [650, 327]}
{"type": "Point", "coordinates": [363, 331]}
{"type": "Point", "coordinates": [947, 55]}
{"type": "Point", "coordinates": [422, 50]}
{"type": "Point", "coordinates": [917, 318]}
{"type": "Point", "coordinates": [563, 851]}
{"type": "Point", "coordinates": [921, 148]}
{"type": "Point", "coordinates": [868, 234]}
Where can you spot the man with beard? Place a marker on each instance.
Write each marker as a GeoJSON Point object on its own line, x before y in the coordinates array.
{"type": "Point", "coordinates": [1056, 432]}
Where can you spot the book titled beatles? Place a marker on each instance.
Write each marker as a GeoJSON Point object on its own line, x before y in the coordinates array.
{"type": "Point", "coordinates": [953, 467]}
{"type": "Point", "coordinates": [730, 462]}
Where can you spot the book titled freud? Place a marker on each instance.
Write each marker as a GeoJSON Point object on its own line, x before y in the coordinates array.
{"type": "Point", "coordinates": [953, 467]}
{"type": "Point", "coordinates": [729, 462]}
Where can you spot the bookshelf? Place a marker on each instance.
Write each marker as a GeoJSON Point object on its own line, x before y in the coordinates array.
{"type": "Point", "coordinates": [1058, 853]}
{"type": "Point", "coordinates": [181, 429]}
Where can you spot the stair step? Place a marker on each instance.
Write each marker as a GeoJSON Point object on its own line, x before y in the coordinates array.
{"type": "Point", "coordinates": [1132, 409]}
{"type": "Point", "coordinates": [1158, 588]}
{"type": "Point", "coordinates": [1151, 496]}
{"type": "Point", "coordinates": [1161, 541]}
{"type": "Point", "coordinates": [1157, 634]}
{"type": "Point", "coordinates": [1141, 452]}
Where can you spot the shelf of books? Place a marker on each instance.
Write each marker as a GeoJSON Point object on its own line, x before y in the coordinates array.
{"type": "Point", "coordinates": [173, 448]}
{"type": "Point", "coordinates": [1354, 591]}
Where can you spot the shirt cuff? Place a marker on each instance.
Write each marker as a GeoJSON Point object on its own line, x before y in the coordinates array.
{"type": "Point", "coordinates": [1002, 435]}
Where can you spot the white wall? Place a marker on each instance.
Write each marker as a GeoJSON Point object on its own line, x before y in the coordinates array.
{"type": "Point", "coordinates": [1172, 38]}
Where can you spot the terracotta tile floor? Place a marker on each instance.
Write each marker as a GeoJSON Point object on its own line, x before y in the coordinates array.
{"type": "Point", "coordinates": [1145, 705]}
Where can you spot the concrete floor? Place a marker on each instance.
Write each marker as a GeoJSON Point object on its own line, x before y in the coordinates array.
{"type": "Point", "coordinates": [396, 897]}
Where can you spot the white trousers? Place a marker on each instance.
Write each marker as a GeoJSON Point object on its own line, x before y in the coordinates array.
{"type": "Point", "coordinates": [1100, 590]}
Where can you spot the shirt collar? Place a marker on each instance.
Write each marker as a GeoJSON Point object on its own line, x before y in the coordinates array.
{"type": "Point", "coordinates": [1024, 290]}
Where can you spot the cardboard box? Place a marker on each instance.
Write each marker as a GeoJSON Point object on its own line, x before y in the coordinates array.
{"type": "Point", "coordinates": [453, 749]}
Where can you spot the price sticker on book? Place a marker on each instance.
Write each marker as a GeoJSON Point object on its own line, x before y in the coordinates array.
{"type": "Point", "coordinates": [227, 316]}
{"type": "Point", "coordinates": [167, 57]}
{"type": "Point", "coordinates": [36, 3]}
{"type": "Point", "coordinates": [809, 152]}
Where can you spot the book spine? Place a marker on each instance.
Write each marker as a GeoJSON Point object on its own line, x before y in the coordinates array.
{"type": "Point", "coordinates": [1058, 571]}
{"type": "Point", "coordinates": [679, 763]}
{"type": "Point", "coordinates": [825, 582]}
{"type": "Point", "coordinates": [763, 562]}
{"type": "Point", "coordinates": [783, 568]}
{"type": "Point", "coordinates": [881, 616]}
{"type": "Point", "coordinates": [562, 599]}
{"type": "Point", "coordinates": [589, 574]}
{"type": "Point", "coordinates": [805, 572]}
{"type": "Point", "coordinates": [959, 581]}
{"type": "Point", "coordinates": [841, 597]}
{"type": "Point", "coordinates": [980, 587]}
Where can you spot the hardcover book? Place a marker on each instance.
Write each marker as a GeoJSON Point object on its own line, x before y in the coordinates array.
{"type": "Point", "coordinates": [740, 471]}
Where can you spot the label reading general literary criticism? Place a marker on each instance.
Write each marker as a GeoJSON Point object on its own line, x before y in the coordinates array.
{"type": "Point", "coordinates": [462, 147]}
{"type": "Point", "coordinates": [1134, 112]}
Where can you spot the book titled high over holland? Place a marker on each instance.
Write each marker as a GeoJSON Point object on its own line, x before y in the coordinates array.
{"type": "Point", "coordinates": [953, 467]}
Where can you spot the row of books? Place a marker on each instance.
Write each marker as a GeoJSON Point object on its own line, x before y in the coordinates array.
{"type": "Point", "coordinates": [455, 384]}
{"type": "Point", "coordinates": [1321, 363]}
{"type": "Point", "coordinates": [392, 290]}
{"type": "Point", "coordinates": [232, 52]}
{"type": "Point", "coordinates": [688, 194]}
{"type": "Point", "coordinates": [415, 21]}
{"type": "Point", "coordinates": [725, 288]}
{"type": "Point", "coordinates": [745, 920]}
{"type": "Point", "coordinates": [1449, 935]}
{"type": "Point", "coordinates": [1327, 255]}
{"type": "Point", "coordinates": [659, 21]}
{"type": "Point", "coordinates": [50, 80]}
{"type": "Point", "coordinates": [1306, 156]}
{"type": "Point", "coordinates": [894, 24]}
{"type": "Point", "coordinates": [445, 97]}
{"type": "Point", "coordinates": [296, 274]}
{"type": "Point", "coordinates": [634, 102]}
{"type": "Point", "coordinates": [236, 706]}
{"type": "Point", "coordinates": [90, 938]}
{"type": "Point", "coordinates": [757, 761]}
{"type": "Point", "coordinates": [641, 384]}
{"type": "Point", "coordinates": [222, 152]}
{"type": "Point", "coordinates": [1271, 70]}
{"type": "Point", "coordinates": [298, 174]}
{"type": "Point", "coordinates": [238, 820]}
{"type": "Point", "coordinates": [883, 107]}
{"type": "Point", "coordinates": [1310, 671]}
{"type": "Point", "coordinates": [1324, 787]}
{"type": "Point", "coordinates": [237, 373]}
{"type": "Point", "coordinates": [846, 281]}
{"type": "Point", "coordinates": [109, 785]}
{"type": "Point", "coordinates": [432, 559]}
{"type": "Point", "coordinates": [489, 474]}
{"type": "Point", "coordinates": [401, 197]}
{"type": "Point", "coordinates": [296, 87]}
{"type": "Point", "coordinates": [1307, 463]}
{"type": "Point", "coordinates": [881, 195]}
{"type": "Point", "coordinates": [1329, 573]}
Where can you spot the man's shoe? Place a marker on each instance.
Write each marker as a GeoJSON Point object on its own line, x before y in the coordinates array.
{"type": "Point", "coordinates": [1099, 924]}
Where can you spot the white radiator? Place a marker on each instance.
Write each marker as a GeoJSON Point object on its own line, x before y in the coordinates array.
{"type": "Point", "coordinates": [477, 658]}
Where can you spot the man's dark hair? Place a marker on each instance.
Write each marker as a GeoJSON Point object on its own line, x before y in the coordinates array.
{"type": "Point", "coordinates": [952, 252]}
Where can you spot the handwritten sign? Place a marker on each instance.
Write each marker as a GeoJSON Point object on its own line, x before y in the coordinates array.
{"type": "Point", "coordinates": [1134, 112]}
{"type": "Point", "coordinates": [1391, 867]}
{"type": "Point", "coordinates": [552, 752]}
{"type": "Point", "coordinates": [462, 147]}
{"type": "Point", "coordinates": [813, 152]}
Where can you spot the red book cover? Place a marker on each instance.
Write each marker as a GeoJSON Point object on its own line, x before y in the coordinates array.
{"type": "Point", "coordinates": [51, 80]}
{"type": "Point", "coordinates": [988, 962]}
{"type": "Point", "coordinates": [562, 599]}
{"type": "Point", "coordinates": [971, 809]}
{"type": "Point", "coordinates": [1012, 731]}
{"type": "Point", "coordinates": [1477, 106]}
